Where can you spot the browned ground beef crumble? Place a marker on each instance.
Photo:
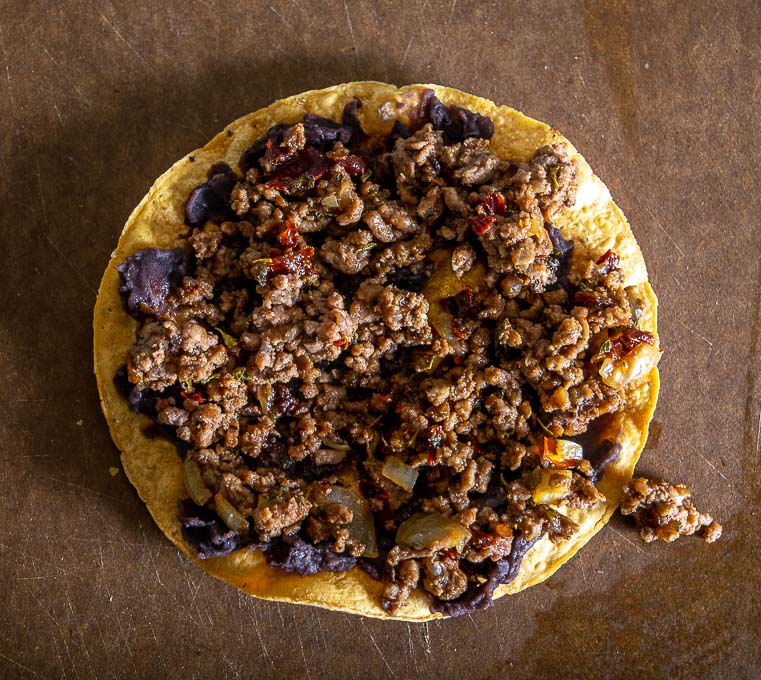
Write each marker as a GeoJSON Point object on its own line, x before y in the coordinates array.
{"type": "Point", "coordinates": [374, 351]}
{"type": "Point", "coordinates": [665, 511]}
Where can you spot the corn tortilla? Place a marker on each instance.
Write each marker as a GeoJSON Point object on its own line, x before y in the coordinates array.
{"type": "Point", "coordinates": [595, 224]}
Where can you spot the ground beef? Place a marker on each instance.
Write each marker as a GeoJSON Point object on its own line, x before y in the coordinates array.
{"type": "Point", "coordinates": [665, 511]}
{"type": "Point", "coordinates": [347, 299]}
{"type": "Point", "coordinates": [442, 576]}
{"type": "Point", "coordinates": [397, 591]}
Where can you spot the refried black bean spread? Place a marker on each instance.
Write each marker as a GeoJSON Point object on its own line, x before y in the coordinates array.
{"type": "Point", "coordinates": [372, 351]}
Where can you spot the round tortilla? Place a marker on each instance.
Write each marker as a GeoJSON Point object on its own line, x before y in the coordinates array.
{"type": "Point", "coordinates": [595, 224]}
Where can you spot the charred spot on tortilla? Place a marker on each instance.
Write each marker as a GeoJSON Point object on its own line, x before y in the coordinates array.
{"type": "Point", "coordinates": [384, 349]}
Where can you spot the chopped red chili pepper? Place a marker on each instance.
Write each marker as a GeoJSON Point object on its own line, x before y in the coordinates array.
{"type": "Point", "coordinates": [480, 224]}
{"type": "Point", "coordinates": [193, 396]}
{"type": "Point", "coordinates": [295, 262]}
{"type": "Point", "coordinates": [625, 340]}
{"type": "Point", "coordinates": [308, 163]}
{"type": "Point", "coordinates": [467, 297]}
{"type": "Point", "coordinates": [355, 166]}
{"type": "Point", "coordinates": [276, 155]}
{"type": "Point", "coordinates": [550, 455]}
{"type": "Point", "coordinates": [609, 260]}
{"type": "Point", "coordinates": [592, 300]}
{"type": "Point", "coordinates": [480, 539]}
{"type": "Point", "coordinates": [458, 331]}
{"type": "Point", "coordinates": [342, 343]}
{"type": "Point", "coordinates": [494, 203]}
{"type": "Point", "coordinates": [289, 237]}
{"type": "Point", "coordinates": [632, 337]}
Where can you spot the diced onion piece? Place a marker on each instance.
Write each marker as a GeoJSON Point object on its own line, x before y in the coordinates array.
{"type": "Point", "coordinates": [361, 528]}
{"type": "Point", "coordinates": [336, 444]}
{"type": "Point", "coordinates": [431, 530]}
{"type": "Point", "coordinates": [230, 515]}
{"type": "Point", "coordinates": [330, 201]}
{"type": "Point", "coordinates": [442, 321]}
{"type": "Point", "coordinates": [345, 192]}
{"type": "Point", "coordinates": [620, 372]}
{"type": "Point", "coordinates": [400, 473]}
{"type": "Point", "coordinates": [444, 284]}
{"type": "Point", "coordinates": [329, 456]}
{"type": "Point", "coordinates": [194, 484]}
{"type": "Point", "coordinates": [553, 485]}
{"type": "Point", "coordinates": [264, 396]}
{"type": "Point", "coordinates": [535, 226]}
{"type": "Point", "coordinates": [568, 450]}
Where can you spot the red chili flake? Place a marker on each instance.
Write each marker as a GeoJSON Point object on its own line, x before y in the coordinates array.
{"type": "Point", "coordinates": [308, 162]}
{"type": "Point", "coordinates": [480, 224]}
{"type": "Point", "coordinates": [503, 530]}
{"type": "Point", "coordinates": [494, 203]}
{"type": "Point", "coordinates": [431, 458]}
{"type": "Point", "coordinates": [550, 455]}
{"type": "Point", "coordinates": [193, 396]}
{"type": "Point", "coordinates": [458, 331]}
{"type": "Point", "coordinates": [609, 260]}
{"type": "Point", "coordinates": [480, 539]}
{"type": "Point", "coordinates": [289, 237]}
{"type": "Point", "coordinates": [372, 491]}
{"type": "Point", "coordinates": [342, 343]}
{"type": "Point", "coordinates": [276, 155]}
{"type": "Point", "coordinates": [625, 340]}
{"type": "Point", "coordinates": [466, 297]}
{"type": "Point", "coordinates": [592, 300]}
{"type": "Point", "coordinates": [355, 166]}
{"type": "Point", "coordinates": [459, 360]}
{"type": "Point", "coordinates": [295, 262]}
{"type": "Point", "coordinates": [449, 553]}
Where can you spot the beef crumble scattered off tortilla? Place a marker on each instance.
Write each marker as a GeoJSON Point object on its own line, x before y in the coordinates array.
{"type": "Point", "coordinates": [390, 351]}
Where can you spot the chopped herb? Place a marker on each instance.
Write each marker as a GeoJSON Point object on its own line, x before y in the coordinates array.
{"type": "Point", "coordinates": [544, 427]}
{"type": "Point", "coordinates": [604, 347]}
{"type": "Point", "coordinates": [367, 247]}
{"type": "Point", "coordinates": [301, 184]}
{"type": "Point", "coordinates": [367, 174]}
{"type": "Point", "coordinates": [229, 340]}
{"type": "Point", "coordinates": [187, 385]}
{"type": "Point", "coordinates": [583, 287]}
{"type": "Point", "coordinates": [679, 526]}
{"type": "Point", "coordinates": [240, 373]}
{"type": "Point", "coordinates": [213, 376]}
{"type": "Point", "coordinates": [553, 173]}
{"type": "Point", "coordinates": [260, 270]}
